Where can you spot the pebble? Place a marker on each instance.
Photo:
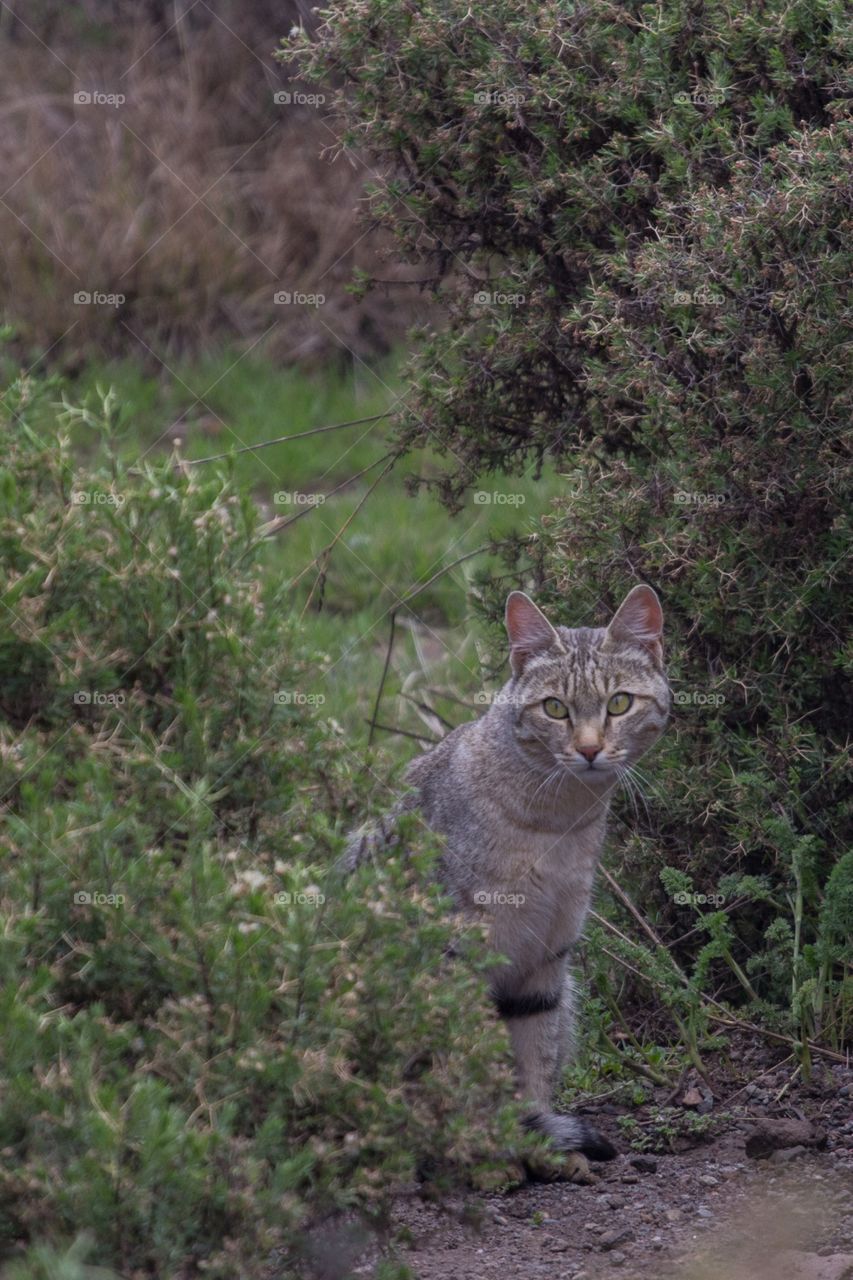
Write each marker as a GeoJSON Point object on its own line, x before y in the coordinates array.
{"type": "Point", "coordinates": [610, 1239]}
{"type": "Point", "coordinates": [708, 1180]}
{"type": "Point", "coordinates": [629, 1177]}
{"type": "Point", "coordinates": [704, 1213]}
{"type": "Point", "coordinates": [646, 1164]}
{"type": "Point", "coordinates": [618, 1259]}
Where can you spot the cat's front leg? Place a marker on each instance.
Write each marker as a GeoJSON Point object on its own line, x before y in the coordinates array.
{"type": "Point", "coordinates": [539, 1013]}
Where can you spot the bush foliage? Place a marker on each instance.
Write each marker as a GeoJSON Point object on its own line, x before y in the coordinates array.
{"type": "Point", "coordinates": [207, 1041]}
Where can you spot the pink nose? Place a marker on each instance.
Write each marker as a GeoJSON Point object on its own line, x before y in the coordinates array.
{"type": "Point", "coordinates": [589, 753]}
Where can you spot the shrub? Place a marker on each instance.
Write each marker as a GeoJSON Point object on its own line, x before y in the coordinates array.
{"type": "Point", "coordinates": [208, 1042]}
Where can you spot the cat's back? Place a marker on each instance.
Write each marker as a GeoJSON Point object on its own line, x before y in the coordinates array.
{"type": "Point", "coordinates": [443, 766]}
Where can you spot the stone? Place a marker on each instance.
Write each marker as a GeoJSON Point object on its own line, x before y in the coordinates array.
{"type": "Point", "coordinates": [786, 1154]}
{"type": "Point", "coordinates": [645, 1163]}
{"type": "Point", "coordinates": [771, 1135]}
{"type": "Point", "coordinates": [611, 1239]}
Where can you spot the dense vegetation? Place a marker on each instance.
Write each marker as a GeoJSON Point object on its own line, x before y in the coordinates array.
{"type": "Point", "coordinates": [207, 1041]}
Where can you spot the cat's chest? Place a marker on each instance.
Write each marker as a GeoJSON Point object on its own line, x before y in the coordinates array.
{"type": "Point", "coordinates": [551, 880]}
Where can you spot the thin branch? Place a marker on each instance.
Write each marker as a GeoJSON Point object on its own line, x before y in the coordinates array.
{"type": "Point", "coordinates": [327, 550]}
{"type": "Point", "coordinates": [284, 522]}
{"type": "Point", "coordinates": [406, 733]}
{"type": "Point", "coordinates": [381, 688]}
{"type": "Point", "coordinates": [300, 435]}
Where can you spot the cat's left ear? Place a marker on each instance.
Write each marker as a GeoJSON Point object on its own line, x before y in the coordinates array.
{"type": "Point", "coordinates": [639, 620]}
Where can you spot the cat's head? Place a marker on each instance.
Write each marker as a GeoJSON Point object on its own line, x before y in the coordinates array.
{"type": "Point", "coordinates": [591, 699]}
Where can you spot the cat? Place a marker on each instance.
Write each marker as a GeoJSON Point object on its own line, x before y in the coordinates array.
{"type": "Point", "coordinates": [521, 796]}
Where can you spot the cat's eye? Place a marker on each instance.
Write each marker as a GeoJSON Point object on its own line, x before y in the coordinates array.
{"type": "Point", "coordinates": [619, 704]}
{"type": "Point", "coordinates": [554, 708]}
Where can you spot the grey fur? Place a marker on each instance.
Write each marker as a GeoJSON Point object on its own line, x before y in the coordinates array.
{"type": "Point", "coordinates": [524, 813]}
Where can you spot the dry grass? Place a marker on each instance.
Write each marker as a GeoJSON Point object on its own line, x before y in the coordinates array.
{"type": "Point", "coordinates": [197, 199]}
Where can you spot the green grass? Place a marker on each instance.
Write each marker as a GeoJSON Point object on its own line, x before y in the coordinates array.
{"type": "Point", "coordinates": [395, 543]}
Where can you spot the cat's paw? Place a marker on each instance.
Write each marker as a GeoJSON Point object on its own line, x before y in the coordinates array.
{"type": "Point", "coordinates": [576, 1169]}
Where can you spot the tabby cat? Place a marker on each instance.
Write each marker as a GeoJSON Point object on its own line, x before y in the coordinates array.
{"type": "Point", "coordinates": [521, 796]}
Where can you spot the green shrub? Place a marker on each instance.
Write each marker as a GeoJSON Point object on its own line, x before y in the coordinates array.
{"type": "Point", "coordinates": [208, 1041]}
{"type": "Point", "coordinates": [532, 156]}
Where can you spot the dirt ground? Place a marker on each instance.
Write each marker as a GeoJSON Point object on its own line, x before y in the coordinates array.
{"type": "Point", "coordinates": [768, 1195]}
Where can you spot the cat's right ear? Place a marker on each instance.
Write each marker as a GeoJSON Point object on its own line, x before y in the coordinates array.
{"type": "Point", "coordinates": [528, 629]}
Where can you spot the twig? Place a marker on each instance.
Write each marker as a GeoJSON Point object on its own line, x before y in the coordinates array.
{"type": "Point", "coordinates": [641, 920]}
{"type": "Point", "coordinates": [404, 601]}
{"type": "Point", "coordinates": [284, 522]}
{"type": "Point", "coordinates": [406, 733]}
{"type": "Point", "coordinates": [330, 546]}
{"type": "Point", "coordinates": [300, 435]}
{"type": "Point", "coordinates": [384, 676]}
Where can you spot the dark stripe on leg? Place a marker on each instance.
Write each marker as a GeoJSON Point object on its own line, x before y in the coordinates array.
{"type": "Point", "coordinates": [525, 1006]}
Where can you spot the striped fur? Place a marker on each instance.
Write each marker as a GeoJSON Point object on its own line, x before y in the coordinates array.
{"type": "Point", "coordinates": [522, 799]}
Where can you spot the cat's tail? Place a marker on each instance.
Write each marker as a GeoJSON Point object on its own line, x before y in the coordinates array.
{"type": "Point", "coordinates": [376, 839]}
{"type": "Point", "coordinates": [370, 842]}
{"type": "Point", "coordinates": [571, 1133]}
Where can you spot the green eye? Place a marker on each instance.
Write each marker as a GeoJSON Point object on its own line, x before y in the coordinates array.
{"type": "Point", "coordinates": [619, 704]}
{"type": "Point", "coordinates": [554, 708]}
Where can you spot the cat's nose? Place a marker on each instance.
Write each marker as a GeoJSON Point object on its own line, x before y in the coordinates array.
{"type": "Point", "coordinates": [589, 753]}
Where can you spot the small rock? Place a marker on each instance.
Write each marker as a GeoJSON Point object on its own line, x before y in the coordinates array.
{"type": "Point", "coordinates": [704, 1213]}
{"type": "Point", "coordinates": [774, 1135]}
{"type": "Point", "coordinates": [691, 1098]}
{"type": "Point", "coordinates": [645, 1164]}
{"type": "Point", "coordinates": [559, 1246]}
{"type": "Point", "coordinates": [615, 1202]}
{"type": "Point", "coordinates": [610, 1239]}
{"type": "Point", "coordinates": [499, 1219]}
{"type": "Point", "coordinates": [629, 1177]}
{"type": "Point", "coordinates": [786, 1154]}
{"type": "Point", "coordinates": [673, 1215]}
{"type": "Point", "coordinates": [657, 1242]}
{"type": "Point", "coordinates": [708, 1180]}
{"type": "Point", "coordinates": [617, 1259]}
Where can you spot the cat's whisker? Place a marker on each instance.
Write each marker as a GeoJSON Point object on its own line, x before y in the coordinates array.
{"type": "Point", "coordinates": [635, 783]}
{"type": "Point", "coordinates": [550, 777]}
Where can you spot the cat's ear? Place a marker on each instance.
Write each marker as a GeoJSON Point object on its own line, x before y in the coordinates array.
{"type": "Point", "coordinates": [639, 620]}
{"type": "Point", "coordinates": [528, 629]}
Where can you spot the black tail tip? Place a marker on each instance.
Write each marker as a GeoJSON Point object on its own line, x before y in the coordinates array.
{"type": "Point", "coordinates": [596, 1147]}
